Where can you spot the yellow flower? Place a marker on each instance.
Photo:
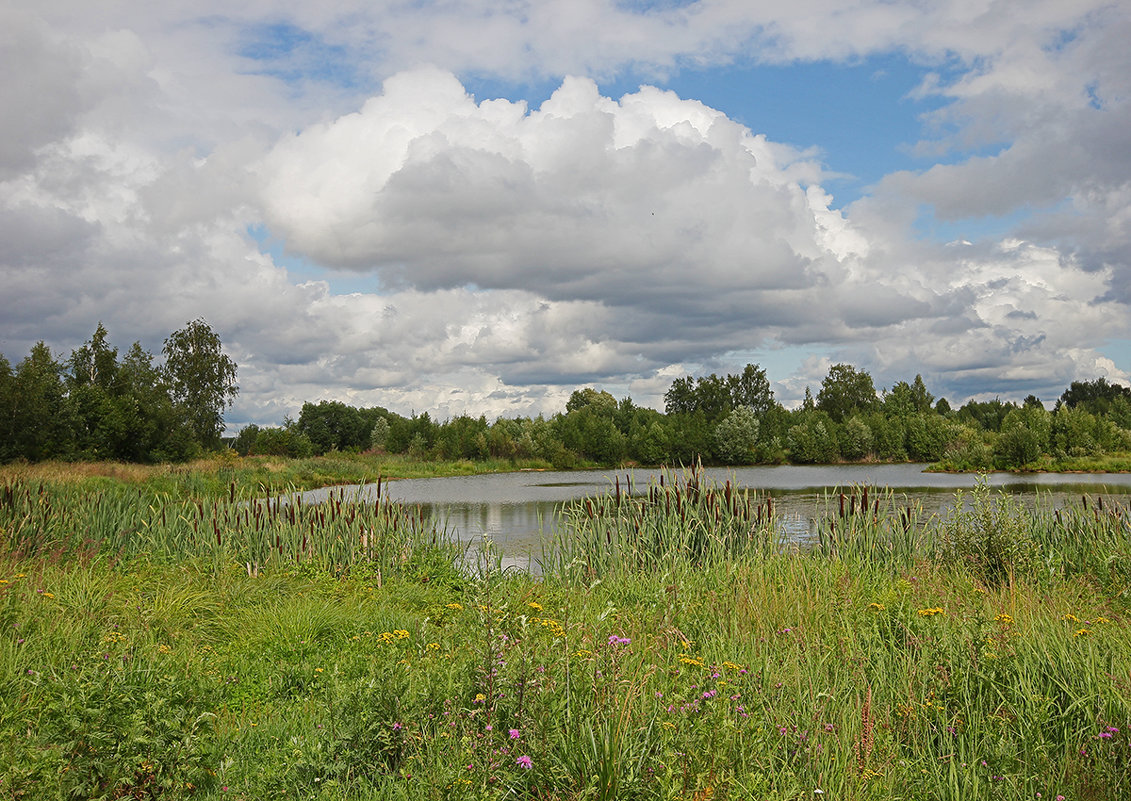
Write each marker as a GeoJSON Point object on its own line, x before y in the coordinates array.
{"type": "Point", "coordinates": [1004, 619]}
{"type": "Point", "coordinates": [317, 670]}
{"type": "Point", "coordinates": [931, 612]}
{"type": "Point", "coordinates": [1071, 617]}
{"type": "Point", "coordinates": [1082, 632]}
{"type": "Point", "coordinates": [455, 606]}
{"type": "Point", "coordinates": [480, 698]}
{"type": "Point", "coordinates": [48, 595]}
{"type": "Point", "coordinates": [535, 606]}
{"type": "Point", "coordinates": [668, 724]}
{"type": "Point", "coordinates": [3, 581]}
{"type": "Point", "coordinates": [732, 665]}
{"type": "Point", "coordinates": [401, 634]}
{"type": "Point", "coordinates": [433, 646]}
{"type": "Point", "coordinates": [1101, 620]}
{"type": "Point", "coordinates": [163, 649]}
{"type": "Point", "coordinates": [690, 660]}
{"type": "Point", "coordinates": [876, 607]}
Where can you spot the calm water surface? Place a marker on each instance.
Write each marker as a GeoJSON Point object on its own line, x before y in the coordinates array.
{"type": "Point", "coordinates": [517, 511]}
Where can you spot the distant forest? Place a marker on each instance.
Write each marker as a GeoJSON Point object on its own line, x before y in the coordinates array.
{"type": "Point", "coordinates": [734, 420]}
{"type": "Point", "coordinates": [97, 406]}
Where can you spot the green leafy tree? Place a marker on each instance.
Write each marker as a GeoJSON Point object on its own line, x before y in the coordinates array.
{"type": "Point", "coordinates": [736, 436]}
{"type": "Point", "coordinates": [7, 410]}
{"type": "Point", "coordinates": [1024, 437]}
{"type": "Point", "coordinates": [715, 397]}
{"type": "Point", "coordinates": [751, 389]}
{"type": "Point", "coordinates": [379, 433]}
{"type": "Point", "coordinates": [201, 379]}
{"type": "Point", "coordinates": [597, 401]}
{"type": "Point", "coordinates": [151, 428]}
{"type": "Point", "coordinates": [907, 399]}
{"type": "Point", "coordinates": [1095, 396]}
{"type": "Point", "coordinates": [96, 419]}
{"type": "Point", "coordinates": [333, 425]}
{"type": "Point", "coordinates": [846, 390]}
{"type": "Point", "coordinates": [988, 415]}
{"type": "Point", "coordinates": [926, 436]}
{"type": "Point", "coordinates": [39, 425]}
{"type": "Point", "coordinates": [813, 440]}
{"type": "Point", "coordinates": [856, 439]}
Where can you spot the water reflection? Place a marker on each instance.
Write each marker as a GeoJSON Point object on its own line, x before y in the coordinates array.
{"type": "Point", "coordinates": [518, 511]}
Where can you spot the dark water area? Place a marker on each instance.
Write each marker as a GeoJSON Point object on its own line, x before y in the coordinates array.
{"type": "Point", "coordinates": [517, 512]}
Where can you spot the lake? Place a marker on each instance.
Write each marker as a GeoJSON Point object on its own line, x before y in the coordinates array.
{"type": "Point", "coordinates": [517, 510]}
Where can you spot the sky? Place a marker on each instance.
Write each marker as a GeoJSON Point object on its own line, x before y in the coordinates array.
{"type": "Point", "coordinates": [479, 206]}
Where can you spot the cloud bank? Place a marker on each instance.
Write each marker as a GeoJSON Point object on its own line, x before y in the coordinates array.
{"type": "Point", "coordinates": [507, 252]}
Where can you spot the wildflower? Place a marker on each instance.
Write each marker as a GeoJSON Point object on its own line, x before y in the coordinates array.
{"type": "Point", "coordinates": [1004, 619]}
{"type": "Point", "coordinates": [524, 762]}
{"type": "Point", "coordinates": [876, 607]}
{"type": "Point", "coordinates": [397, 726]}
{"type": "Point", "coordinates": [931, 612]}
{"type": "Point", "coordinates": [455, 606]}
{"type": "Point", "coordinates": [1082, 633]}
{"type": "Point", "coordinates": [615, 640]}
{"type": "Point", "coordinates": [514, 734]}
{"type": "Point", "coordinates": [537, 607]}
{"type": "Point", "coordinates": [433, 646]}
{"type": "Point", "coordinates": [48, 595]}
{"type": "Point", "coordinates": [480, 698]}
{"type": "Point", "coordinates": [400, 634]}
{"type": "Point", "coordinates": [1070, 617]}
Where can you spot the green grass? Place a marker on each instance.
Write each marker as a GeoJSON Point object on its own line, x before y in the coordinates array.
{"type": "Point", "coordinates": [215, 476]}
{"type": "Point", "coordinates": [985, 656]}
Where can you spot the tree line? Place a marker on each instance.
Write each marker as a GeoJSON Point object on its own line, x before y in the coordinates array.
{"type": "Point", "coordinates": [97, 405]}
{"type": "Point", "coordinates": [734, 419]}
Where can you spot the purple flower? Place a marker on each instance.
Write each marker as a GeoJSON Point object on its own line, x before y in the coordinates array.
{"type": "Point", "coordinates": [524, 762]}
{"type": "Point", "coordinates": [514, 734]}
{"type": "Point", "coordinates": [615, 640]}
{"type": "Point", "coordinates": [398, 726]}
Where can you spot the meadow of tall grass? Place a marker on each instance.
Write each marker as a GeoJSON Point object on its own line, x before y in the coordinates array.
{"type": "Point", "coordinates": [672, 647]}
{"type": "Point", "coordinates": [214, 475]}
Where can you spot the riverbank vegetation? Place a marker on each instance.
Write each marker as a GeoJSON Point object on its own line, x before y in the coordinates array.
{"type": "Point", "coordinates": [228, 647]}
{"type": "Point", "coordinates": [94, 406]}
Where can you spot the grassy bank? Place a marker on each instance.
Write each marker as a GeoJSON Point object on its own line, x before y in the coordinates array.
{"type": "Point", "coordinates": [1105, 463]}
{"type": "Point", "coordinates": [672, 651]}
{"type": "Point", "coordinates": [216, 475]}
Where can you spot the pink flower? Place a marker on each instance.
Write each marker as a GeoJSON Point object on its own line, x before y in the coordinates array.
{"type": "Point", "coordinates": [514, 734]}
{"type": "Point", "coordinates": [524, 762]}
